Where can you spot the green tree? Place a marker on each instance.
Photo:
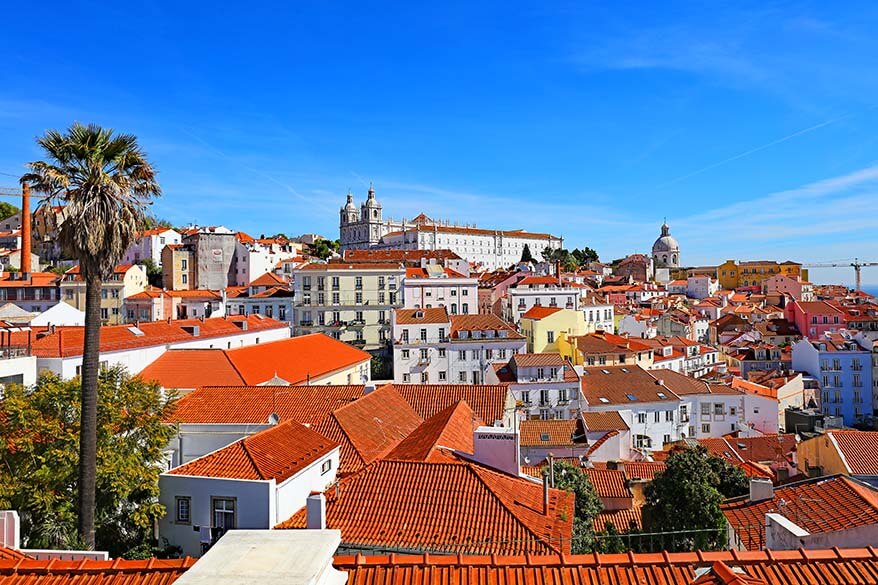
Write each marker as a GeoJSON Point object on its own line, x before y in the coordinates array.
{"type": "Point", "coordinates": [588, 505]}
{"type": "Point", "coordinates": [323, 249]}
{"type": "Point", "coordinates": [106, 184]}
{"type": "Point", "coordinates": [40, 452]}
{"type": "Point", "coordinates": [7, 210]}
{"type": "Point", "coordinates": [153, 272]}
{"type": "Point", "coordinates": [731, 479]}
{"type": "Point", "coordinates": [526, 255]}
{"type": "Point", "coordinates": [610, 540]}
{"type": "Point", "coordinates": [684, 497]}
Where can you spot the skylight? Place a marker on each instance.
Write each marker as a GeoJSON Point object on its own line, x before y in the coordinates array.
{"type": "Point", "coordinates": [544, 437]}
{"type": "Point", "coordinates": [662, 395]}
{"type": "Point", "coordinates": [631, 397]}
{"type": "Point", "coordinates": [136, 331]}
{"type": "Point", "coordinates": [604, 400]}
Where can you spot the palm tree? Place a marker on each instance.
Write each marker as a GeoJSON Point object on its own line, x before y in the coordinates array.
{"type": "Point", "coordinates": [106, 183]}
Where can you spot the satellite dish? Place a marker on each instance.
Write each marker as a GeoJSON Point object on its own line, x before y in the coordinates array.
{"type": "Point", "coordinates": [273, 418]}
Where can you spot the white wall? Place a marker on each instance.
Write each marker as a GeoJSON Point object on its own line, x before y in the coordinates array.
{"type": "Point", "coordinates": [254, 501]}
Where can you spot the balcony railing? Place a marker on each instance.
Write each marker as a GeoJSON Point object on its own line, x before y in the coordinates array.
{"type": "Point", "coordinates": [14, 351]}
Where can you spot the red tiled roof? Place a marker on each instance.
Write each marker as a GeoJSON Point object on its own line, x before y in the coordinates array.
{"type": "Point", "coordinates": [482, 322]}
{"type": "Point", "coordinates": [623, 385]}
{"type": "Point", "coordinates": [67, 341]}
{"type": "Point", "coordinates": [643, 470]}
{"type": "Point", "coordinates": [555, 432]}
{"type": "Point", "coordinates": [621, 519]}
{"type": "Point", "coordinates": [539, 312]}
{"type": "Point", "coordinates": [397, 255]}
{"type": "Point", "coordinates": [788, 567]}
{"type": "Point", "coordinates": [253, 404]}
{"type": "Point", "coordinates": [387, 267]}
{"type": "Point", "coordinates": [488, 402]}
{"type": "Point", "coordinates": [858, 449]}
{"type": "Point", "coordinates": [608, 483]}
{"type": "Point", "coordinates": [295, 360]}
{"type": "Point", "coordinates": [534, 360]}
{"type": "Point", "coordinates": [94, 572]}
{"type": "Point", "coordinates": [452, 429]}
{"type": "Point", "coordinates": [269, 279]}
{"type": "Point", "coordinates": [604, 421]}
{"type": "Point", "coordinates": [36, 279]}
{"type": "Point", "coordinates": [446, 507]}
{"type": "Point", "coordinates": [369, 428]}
{"type": "Point", "coordinates": [817, 505]}
{"type": "Point", "coordinates": [432, 315]}
{"type": "Point", "coordinates": [277, 453]}
{"type": "Point", "coordinates": [9, 554]}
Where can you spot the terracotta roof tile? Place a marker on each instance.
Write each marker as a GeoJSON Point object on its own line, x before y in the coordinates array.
{"type": "Point", "coordinates": [447, 507]}
{"type": "Point", "coordinates": [488, 402]}
{"type": "Point", "coordinates": [547, 433]}
{"type": "Point", "coordinates": [369, 428]}
{"type": "Point", "coordinates": [432, 315]}
{"type": "Point", "coordinates": [818, 505]}
{"type": "Point", "coordinates": [67, 341]}
{"type": "Point", "coordinates": [294, 360]}
{"type": "Point", "coordinates": [110, 572]}
{"type": "Point", "coordinates": [533, 360]}
{"type": "Point", "coordinates": [621, 519]}
{"type": "Point", "coordinates": [793, 567]}
{"type": "Point", "coordinates": [277, 453]}
{"type": "Point", "coordinates": [253, 404]}
{"type": "Point", "coordinates": [269, 279]}
{"type": "Point", "coordinates": [539, 312]}
{"type": "Point", "coordinates": [859, 449]}
{"type": "Point", "coordinates": [604, 421]}
{"type": "Point", "coordinates": [450, 429]}
{"type": "Point", "coordinates": [608, 483]}
{"type": "Point", "coordinates": [482, 322]}
{"type": "Point", "coordinates": [9, 554]}
{"type": "Point", "coordinates": [624, 385]}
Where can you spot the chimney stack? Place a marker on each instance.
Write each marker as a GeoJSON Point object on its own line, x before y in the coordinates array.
{"type": "Point", "coordinates": [315, 512]}
{"type": "Point", "coordinates": [545, 492]}
{"type": "Point", "coordinates": [25, 232]}
{"type": "Point", "coordinates": [761, 489]}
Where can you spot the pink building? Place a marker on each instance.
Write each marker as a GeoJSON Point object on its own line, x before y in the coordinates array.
{"type": "Point", "coordinates": [792, 286]}
{"type": "Point", "coordinates": [814, 318]}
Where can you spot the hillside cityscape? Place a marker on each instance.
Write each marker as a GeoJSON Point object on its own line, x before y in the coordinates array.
{"type": "Point", "coordinates": [441, 295]}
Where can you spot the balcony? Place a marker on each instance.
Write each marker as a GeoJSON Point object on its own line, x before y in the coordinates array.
{"type": "Point", "coordinates": [357, 322]}
{"type": "Point", "coordinates": [306, 323]}
{"type": "Point", "coordinates": [358, 342]}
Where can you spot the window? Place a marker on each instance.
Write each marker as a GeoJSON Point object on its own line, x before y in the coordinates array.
{"type": "Point", "coordinates": [404, 354]}
{"type": "Point", "coordinates": [184, 264]}
{"type": "Point", "coordinates": [184, 509]}
{"type": "Point", "coordinates": [657, 417]}
{"type": "Point", "coordinates": [550, 336]}
{"type": "Point", "coordinates": [464, 308]}
{"type": "Point", "coordinates": [358, 298]}
{"type": "Point", "coordinates": [442, 352]}
{"type": "Point", "coordinates": [642, 442]}
{"type": "Point", "coordinates": [406, 378]}
{"type": "Point", "coordinates": [461, 355]}
{"type": "Point", "coordinates": [358, 283]}
{"type": "Point", "coordinates": [104, 313]}
{"type": "Point", "coordinates": [184, 279]}
{"type": "Point", "coordinates": [562, 395]}
{"type": "Point", "coordinates": [461, 376]}
{"type": "Point", "coordinates": [718, 409]}
{"type": "Point", "coordinates": [103, 293]}
{"type": "Point", "coordinates": [669, 416]}
{"type": "Point", "coordinates": [544, 397]}
{"type": "Point", "coordinates": [540, 373]}
{"type": "Point", "coordinates": [423, 335]}
{"type": "Point", "coordinates": [705, 409]}
{"type": "Point", "coordinates": [326, 467]}
{"type": "Point", "coordinates": [425, 353]}
{"type": "Point", "coordinates": [425, 377]}
{"type": "Point", "coordinates": [641, 418]}
{"type": "Point", "coordinates": [666, 439]}
{"type": "Point", "coordinates": [705, 427]}
{"type": "Point", "coordinates": [525, 397]}
{"type": "Point", "coordinates": [68, 293]}
{"type": "Point", "coordinates": [442, 375]}
{"type": "Point", "coordinates": [224, 514]}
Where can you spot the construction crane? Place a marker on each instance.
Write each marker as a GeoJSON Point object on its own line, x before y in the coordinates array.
{"type": "Point", "coordinates": [855, 264]}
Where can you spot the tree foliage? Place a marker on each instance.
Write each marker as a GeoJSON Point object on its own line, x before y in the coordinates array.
{"type": "Point", "coordinates": [731, 479]}
{"type": "Point", "coordinates": [39, 459]}
{"type": "Point", "coordinates": [570, 260]}
{"type": "Point", "coordinates": [588, 505]}
{"type": "Point", "coordinates": [153, 272]}
{"type": "Point", "coordinates": [323, 249]}
{"type": "Point", "coordinates": [7, 210]}
{"type": "Point", "coordinates": [106, 183]}
{"type": "Point", "coordinates": [526, 255]}
{"type": "Point", "coordinates": [684, 497]}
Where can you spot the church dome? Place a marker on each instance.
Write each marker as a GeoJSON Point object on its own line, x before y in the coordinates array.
{"type": "Point", "coordinates": [349, 206]}
{"type": "Point", "coordinates": [666, 242]}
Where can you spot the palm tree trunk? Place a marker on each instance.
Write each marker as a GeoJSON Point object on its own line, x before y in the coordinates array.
{"type": "Point", "coordinates": [89, 410]}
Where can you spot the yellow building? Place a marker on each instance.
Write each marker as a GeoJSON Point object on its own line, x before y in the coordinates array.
{"type": "Point", "coordinates": [543, 326]}
{"type": "Point", "coordinates": [847, 452]}
{"type": "Point", "coordinates": [733, 274]}
{"type": "Point", "coordinates": [126, 280]}
{"type": "Point", "coordinates": [605, 349]}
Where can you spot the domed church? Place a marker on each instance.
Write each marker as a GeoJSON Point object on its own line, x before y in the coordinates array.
{"type": "Point", "coordinates": [666, 250]}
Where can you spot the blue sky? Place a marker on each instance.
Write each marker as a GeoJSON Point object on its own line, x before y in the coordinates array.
{"type": "Point", "coordinates": [752, 127]}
